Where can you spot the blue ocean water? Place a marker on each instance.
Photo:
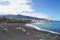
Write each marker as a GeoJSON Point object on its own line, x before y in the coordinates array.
{"type": "Point", "coordinates": [53, 27]}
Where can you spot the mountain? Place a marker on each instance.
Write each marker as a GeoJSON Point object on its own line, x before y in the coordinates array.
{"type": "Point", "coordinates": [21, 16]}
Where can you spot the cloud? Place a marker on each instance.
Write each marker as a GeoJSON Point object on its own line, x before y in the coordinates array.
{"type": "Point", "coordinates": [22, 7]}
{"type": "Point", "coordinates": [38, 15]}
{"type": "Point", "coordinates": [15, 6]}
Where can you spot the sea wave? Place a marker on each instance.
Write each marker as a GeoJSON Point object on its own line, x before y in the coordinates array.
{"type": "Point", "coordinates": [37, 23]}
{"type": "Point", "coordinates": [33, 26]}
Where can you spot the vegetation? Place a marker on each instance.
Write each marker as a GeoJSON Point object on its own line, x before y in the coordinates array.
{"type": "Point", "coordinates": [14, 20]}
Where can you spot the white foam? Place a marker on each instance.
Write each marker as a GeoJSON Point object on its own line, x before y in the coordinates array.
{"type": "Point", "coordinates": [37, 23]}
{"type": "Point", "coordinates": [30, 25]}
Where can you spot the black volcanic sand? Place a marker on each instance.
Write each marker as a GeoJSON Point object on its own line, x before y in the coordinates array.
{"type": "Point", "coordinates": [14, 34]}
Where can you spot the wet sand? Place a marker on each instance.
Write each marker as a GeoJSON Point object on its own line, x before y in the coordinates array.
{"type": "Point", "coordinates": [14, 34]}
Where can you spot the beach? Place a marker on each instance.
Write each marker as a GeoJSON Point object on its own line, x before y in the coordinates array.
{"type": "Point", "coordinates": [30, 34]}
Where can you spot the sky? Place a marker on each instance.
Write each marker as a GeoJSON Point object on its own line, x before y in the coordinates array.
{"type": "Point", "coordinates": [49, 9]}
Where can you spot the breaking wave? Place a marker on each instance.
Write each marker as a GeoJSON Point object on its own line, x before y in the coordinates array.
{"type": "Point", "coordinates": [33, 26]}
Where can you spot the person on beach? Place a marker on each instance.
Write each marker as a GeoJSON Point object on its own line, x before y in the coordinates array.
{"type": "Point", "coordinates": [23, 29]}
{"type": "Point", "coordinates": [18, 28]}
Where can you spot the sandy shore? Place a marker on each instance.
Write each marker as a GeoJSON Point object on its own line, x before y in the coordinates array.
{"type": "Point", "coordinates": [14, 34]}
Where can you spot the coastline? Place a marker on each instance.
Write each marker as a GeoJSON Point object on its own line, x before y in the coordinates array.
{"type": "Point", "coordinates": [39, 29]}
{"type": "Point", "coordinates": [14, 34]}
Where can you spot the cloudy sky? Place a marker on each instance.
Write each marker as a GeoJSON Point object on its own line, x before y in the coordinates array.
{"type": "Point", "coordinates": [15, 6]}
{"type": "Point", "coordinates": [37, 8]}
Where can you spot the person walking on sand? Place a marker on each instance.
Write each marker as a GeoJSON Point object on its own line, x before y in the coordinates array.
{"type": "Point", "coordinates": [18, 28]}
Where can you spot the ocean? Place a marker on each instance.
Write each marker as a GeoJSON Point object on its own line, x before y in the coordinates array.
{"type": "Point", "coordinates": [53, 27]}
